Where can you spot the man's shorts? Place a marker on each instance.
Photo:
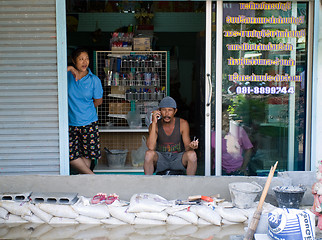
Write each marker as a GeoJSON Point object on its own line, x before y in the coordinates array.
{"type": "Point", "coordinates": [84, 142]}
{"type": "Point", "coordinates": [169, 161]}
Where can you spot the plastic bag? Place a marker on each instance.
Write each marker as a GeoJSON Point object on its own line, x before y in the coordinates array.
{"type": "Point", "coordinates": [134, 119]}
{"type": "Point", "coordinates": [138, 155]}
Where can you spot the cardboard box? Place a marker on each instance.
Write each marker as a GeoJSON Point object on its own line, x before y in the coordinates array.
{"type": "Point", "coordinates": [141, 44]}
{"type": "Point", "coordinates": [119, 108]}
{"type": "Point", "coordinates": [120, 49]}
{"type": "Point", "coordinates": [118, 90]}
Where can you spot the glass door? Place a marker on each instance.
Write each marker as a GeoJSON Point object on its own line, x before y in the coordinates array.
{"type": "Point", "coordinates": [259, 87]}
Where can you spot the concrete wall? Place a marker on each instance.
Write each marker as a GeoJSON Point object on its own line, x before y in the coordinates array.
{"type": "Point", "coordinates": [169, 187]}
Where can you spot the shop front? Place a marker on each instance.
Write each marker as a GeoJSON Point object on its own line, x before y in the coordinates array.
{"type": "Point", "coordinates": [244, 67]}
{"type": "Point", "coordinates": [244, 75]}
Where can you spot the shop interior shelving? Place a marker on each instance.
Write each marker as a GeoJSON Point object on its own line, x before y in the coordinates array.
{"type": "Point", "coordinates": [133, 81]}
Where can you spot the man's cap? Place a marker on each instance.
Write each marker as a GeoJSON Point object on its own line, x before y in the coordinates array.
{"type": "Point", "coordinates": [168, 102]}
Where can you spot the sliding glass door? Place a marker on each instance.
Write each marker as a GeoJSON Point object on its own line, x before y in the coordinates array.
{"type": "Point", "coordinates": [258, 79]}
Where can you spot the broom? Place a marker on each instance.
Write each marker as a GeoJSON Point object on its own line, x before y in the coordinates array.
{"type": "Point", "coordinates": [257, 214]}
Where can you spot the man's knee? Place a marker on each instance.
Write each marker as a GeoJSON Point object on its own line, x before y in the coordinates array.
{"type": "Point", "coordinates": [150, 155]}
{"type": "Point", "coordinates": [191, 156]}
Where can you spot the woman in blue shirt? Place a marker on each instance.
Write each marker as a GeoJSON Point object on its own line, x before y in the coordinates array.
{"type": "Point", "coordinates": [85, 93]}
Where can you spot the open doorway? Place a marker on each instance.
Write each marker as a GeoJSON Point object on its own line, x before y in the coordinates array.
{"type": "Point", "coordinates": [177, 27]}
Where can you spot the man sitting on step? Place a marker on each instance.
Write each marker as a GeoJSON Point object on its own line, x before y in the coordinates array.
{"type": "Point", "coordinates": [169, 144]}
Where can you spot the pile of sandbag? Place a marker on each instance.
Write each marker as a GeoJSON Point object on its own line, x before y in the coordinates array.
{"type": "Point", "coordinates": [143, 208]}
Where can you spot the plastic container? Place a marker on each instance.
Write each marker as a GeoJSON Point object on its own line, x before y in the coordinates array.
{"type": "Point", "coordinates": [289, 196]}
{"type": "Point", "coordinates": [116, 158]}
{"type": "Point", "coordinates": [243, 194]}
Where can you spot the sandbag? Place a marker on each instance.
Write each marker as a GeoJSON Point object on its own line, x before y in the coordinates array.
{"type": "Point", "coordinates": [17, 208]}
{"type": "Point", "coordinates": [207, 214]}
{"type": "Point", "coordinates": [33, 219]}
{"type": "Point", "coordinates": [40, 213]}
{"type": "Point", "coordinates": [147, 202]}
{"type": "Point", "coordinates": [98, 211]}
{"type": "Point", "coordinates": [122, 214]}
{"type": "Point", "coordinates": [176, 220]}
{"type": "Point", "coordinates": [175, 208]}
{"type": "Point", "coordinates": [87, 220]}
{"type": "Point", "coordinates": [162, 216]}
{"type": "Point", "coordinates": [58, 210]}
{"type": "Point", "coordinates": [202, 221]}
{"type": "Point", "coordinates": [112, 221]}
{"type": "Point", "coordinates": [145, 221]}
{"type": "Point", "coordinates": [187, 215]}
{"type": "Point", "coordinates": [12, 218]}
{"type": "Point", "coordinates": [231, 214]}
{"type": "Point", "coordinates": [62, 220]}
{"type": "Point", "coordinates": [3, 212]}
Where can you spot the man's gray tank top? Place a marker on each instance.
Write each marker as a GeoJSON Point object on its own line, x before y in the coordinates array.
{"type": "Point", "coordinates": [172, 143]}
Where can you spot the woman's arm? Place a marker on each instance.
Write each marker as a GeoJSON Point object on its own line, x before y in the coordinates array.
{"type": "Point", "coordinates": [98, 102]}
{"type": "Point", "coordinates": [74, 72]}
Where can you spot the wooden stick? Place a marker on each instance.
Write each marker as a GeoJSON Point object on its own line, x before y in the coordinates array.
{"type": "Point", "coordinates": [257, 214]}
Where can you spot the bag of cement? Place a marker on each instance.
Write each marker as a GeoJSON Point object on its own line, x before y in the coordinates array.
{"type": "Point", "coordinates": [147, 202]}
{"type": "Point", "coordinates": [207, 213]}
{"type": "Point", "coordinates": [162, 216]}
{"type": "Point", "coordinates": [62, 220]}
{"type": "Point", "coordinates": [176, 220]}
{"type": "Point", "coordinates": [145, 221]}
{"type": "Point", "coordinates": [17, 208]}
{"type": "Point", "coordinates": [122, 214]}
{"type": "Point", "coordinates": [40, 213]}
{"type": "Point", "coordinates": [187, 215]}
{"type": "Point", "coordinates": [87, 220]}
{"type": "Point", "coordinates": [112, 221]}
{"type": "Point", "coordinates": [231, 214]}
{"type": "Point", "coordinates": [3, 213]}
{"type": "Point", "coordinates": [291, 224]}
{"type": "Point", "coordinates": [98, 211]}
{"type": "Point", "coordinates": [64, 211]}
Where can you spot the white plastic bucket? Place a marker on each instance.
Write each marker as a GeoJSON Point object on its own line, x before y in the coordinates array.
{"type": "Point", "coordinates": [243, 194]}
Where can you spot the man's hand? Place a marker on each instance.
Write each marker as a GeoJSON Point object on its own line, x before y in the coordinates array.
{"type": "Point", "coordinates": [194, 144]}
{"type": "Point", "coordinates": [156, 115]}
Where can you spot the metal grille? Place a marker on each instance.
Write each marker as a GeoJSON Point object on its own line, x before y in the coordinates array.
{"type": "Point", "coordinates": [132, 81]}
